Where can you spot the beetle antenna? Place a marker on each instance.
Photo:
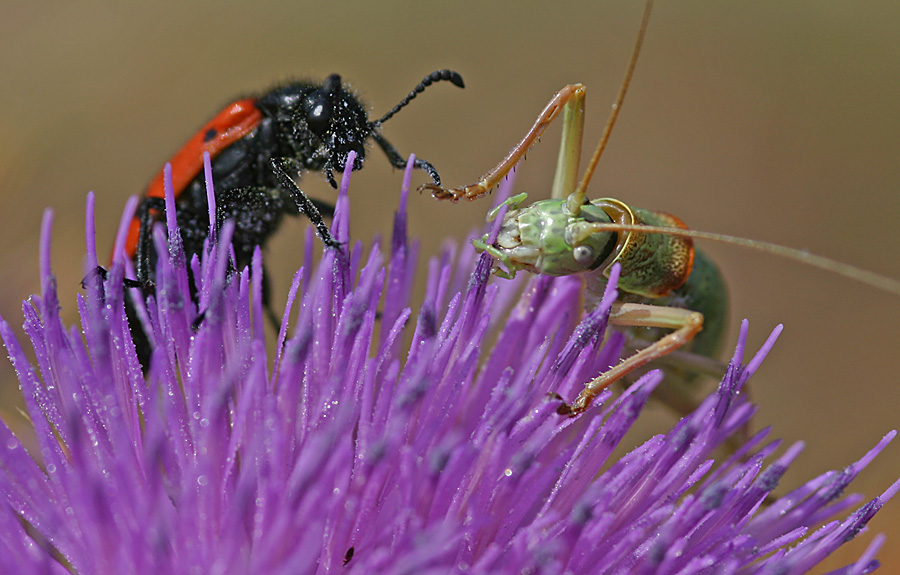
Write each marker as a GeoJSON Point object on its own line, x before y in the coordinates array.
{"type": "Point", "coordinates": [436, 76]}
{"type": "Point", "coordinates": [617, 106]}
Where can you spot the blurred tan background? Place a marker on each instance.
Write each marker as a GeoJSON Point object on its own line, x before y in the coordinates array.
{"type": "Point", "coordinates": [775, 120]}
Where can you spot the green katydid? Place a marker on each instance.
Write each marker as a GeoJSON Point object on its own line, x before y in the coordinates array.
{"type": "Point", "coordinates": [664, 282]}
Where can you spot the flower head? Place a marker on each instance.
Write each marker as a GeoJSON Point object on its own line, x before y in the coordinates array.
{"type": "Point", "coordinates": [375, 439]}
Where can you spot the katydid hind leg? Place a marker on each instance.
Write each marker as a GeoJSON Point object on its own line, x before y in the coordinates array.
{"type": "Point", "coordinates": [686, 324]}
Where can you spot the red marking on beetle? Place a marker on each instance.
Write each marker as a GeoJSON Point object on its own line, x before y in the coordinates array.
{"type": "Point", "coordinates": [227, 127]}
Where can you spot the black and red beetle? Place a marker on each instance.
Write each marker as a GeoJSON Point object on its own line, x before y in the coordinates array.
{"type": "Point", "coordinates": [257, 146]}
{"type": "Point", "coordinates": [294, 128]}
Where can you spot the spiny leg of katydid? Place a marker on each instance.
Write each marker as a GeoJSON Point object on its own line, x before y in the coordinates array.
{"type": "Point", "coordinates": [686, 324]}
{"type": "Point", "coordinates": [570, 99]}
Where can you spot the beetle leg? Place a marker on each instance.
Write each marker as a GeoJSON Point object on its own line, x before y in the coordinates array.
{"type": "Point", "coordinates": [142, 256]}
{"type": "Point", "coordinates": [399, 161]}
{"type": "Point", "coordinates": [571, 96]}
{"type": "Point", "coordinates": [329, 175]}
{"type": "Point", "coordinates": [686, 324]}
{"type": "Point", "coordinates": [304, 204]}
{"type": "Point", "coordinates": [102, 274]}
{"type": "Point", "coordinates": [271, 313]}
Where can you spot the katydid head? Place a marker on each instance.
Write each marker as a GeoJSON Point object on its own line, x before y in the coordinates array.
{"type": "Point", "coordinates": [543, 237]}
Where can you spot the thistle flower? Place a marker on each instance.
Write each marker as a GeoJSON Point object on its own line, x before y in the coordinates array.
{"type": "Point", "coordinates": [347, 450]}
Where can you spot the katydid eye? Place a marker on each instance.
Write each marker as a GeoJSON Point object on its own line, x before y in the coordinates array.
{"type": "Point", "coordinates": [584, 255]}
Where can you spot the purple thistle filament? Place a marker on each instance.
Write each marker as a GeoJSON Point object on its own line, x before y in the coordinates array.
{"type": "Point", "coordinates": [340, 449]}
